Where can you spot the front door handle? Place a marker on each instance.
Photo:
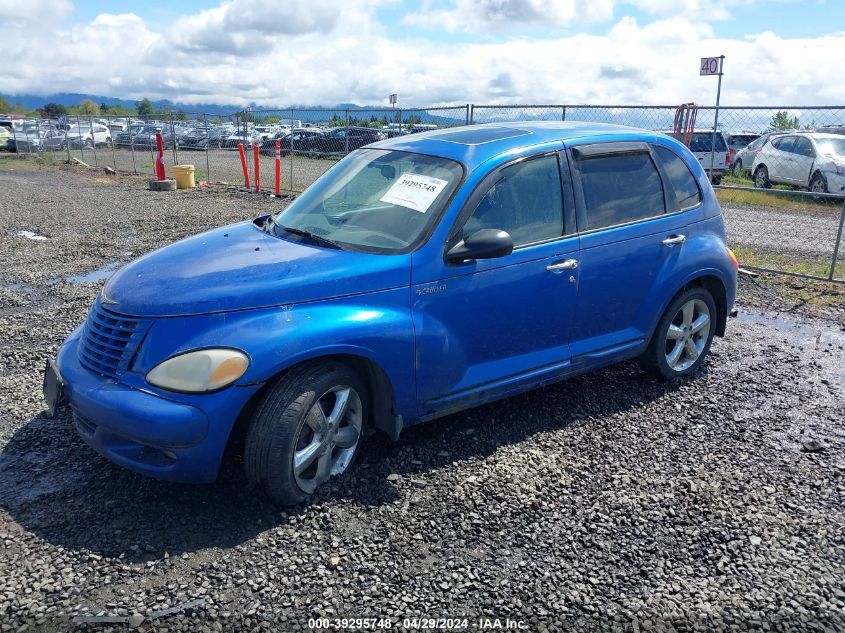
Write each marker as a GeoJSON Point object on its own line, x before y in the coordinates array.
{"type": "Point", "coordinates": [569, 264]}
{"type": "Point", "coordinates": [675, 239]}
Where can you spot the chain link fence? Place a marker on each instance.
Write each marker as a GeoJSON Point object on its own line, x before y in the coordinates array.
{"type": "Point", "coordinates": [779, 172]}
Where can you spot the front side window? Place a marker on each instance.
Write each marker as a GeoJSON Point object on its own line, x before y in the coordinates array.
{"type": "Point", "coordinates": [374, 200]}
{"type": "Point", "coordinates": [525, 201]}
{"type": "Point", "coordinates": [687, 193]}
{"type": "Point", "coordinates": [619, 189]}
{"type": "Point", "coordinates": [803, 147]}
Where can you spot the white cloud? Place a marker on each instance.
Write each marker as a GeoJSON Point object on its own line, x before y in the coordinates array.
{"type": "Point", "coordinates": [481, 15]}
{"type": "Point", "coordinates": [330, 57]}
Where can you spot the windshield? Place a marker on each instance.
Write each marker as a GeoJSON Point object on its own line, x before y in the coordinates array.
{"type": "Point", "coordinates": [374, 200]}
{"type": "Point", "coordinates": [831, 146]}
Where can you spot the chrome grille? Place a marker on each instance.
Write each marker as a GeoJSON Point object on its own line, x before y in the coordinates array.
{"type": "Point", "coordinates": [109, 341]}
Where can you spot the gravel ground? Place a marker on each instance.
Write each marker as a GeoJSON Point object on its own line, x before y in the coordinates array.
{"type": "Point", "coordinates": [783, 231]}
{"type": "Point", "coordinates": [609, 502]}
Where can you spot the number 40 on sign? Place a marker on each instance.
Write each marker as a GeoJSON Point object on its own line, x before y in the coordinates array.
{"type": "Point", "coordinates": [711, 66]}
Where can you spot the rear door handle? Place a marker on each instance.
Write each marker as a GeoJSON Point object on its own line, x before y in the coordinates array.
{"type": "Point", "coordinates": [569, 264]}
{"type": "Point", "coordinates": [675, 239]}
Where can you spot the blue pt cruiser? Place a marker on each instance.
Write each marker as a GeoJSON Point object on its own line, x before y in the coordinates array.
{"type": "Point", "coordinates": [419, 276]}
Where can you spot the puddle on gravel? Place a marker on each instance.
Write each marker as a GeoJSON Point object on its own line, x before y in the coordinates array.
{"type": "Point", "coordinates": [101, 273]}
{"type": "Point", "coordinates": [806, 334]}
{"type": "Point", "coordinates": [825, 344]}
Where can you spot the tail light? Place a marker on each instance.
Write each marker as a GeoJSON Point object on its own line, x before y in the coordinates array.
{"type": "Point", "coordinates": [728, 159]}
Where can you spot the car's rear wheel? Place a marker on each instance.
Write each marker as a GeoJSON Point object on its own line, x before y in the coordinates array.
{"type": "Point", "coordinates": [683, 335]}
{"type": "Point", "coordinates": [308, 427]}
{"type": "Point", "coordinates": [761, 178]}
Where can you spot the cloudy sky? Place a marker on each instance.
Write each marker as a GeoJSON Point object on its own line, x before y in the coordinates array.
{"type": "Point", "coordinates": [431, 52]}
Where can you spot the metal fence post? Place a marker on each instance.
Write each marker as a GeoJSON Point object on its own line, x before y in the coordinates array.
{"type": "Point", "coordinates": [467, 115]}
{"type": "Point", "coordinates": [153, 157]}
{"type": "Point", "coordinates": [173, 140]}
{"type": "Point", "coordinates": [563, 113]}
{"type": "Point", "coordinates": [832, 273]}
{"type": "Point", "coordinates": [471, 113]}
{"type": "Point", "coordinates": [67, 140]}
{"type": "Point", "coordinates": [132, 145]}
{"type": "Point", "coordinates": [346, 136]}
{"type": "Point", "coordinates": [207, 143]}
{"type": "Point", "coordinates": [79, 138]}
{"type": "Point", "coordinates": [93, 140]}
{"type": "Point", "coordinates": [113, 152]}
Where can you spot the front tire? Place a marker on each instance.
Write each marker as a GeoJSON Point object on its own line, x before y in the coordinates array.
{"type": "Point", "coordinates": [307, 428]}
{"type": "Point", "coordinates": [818, 184]}
{"type": "Point", "coordinates": [737, 169]}
{"type": "Point", "coordinates": [683, 336]}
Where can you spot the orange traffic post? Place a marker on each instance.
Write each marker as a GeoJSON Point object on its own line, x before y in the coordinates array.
{"type": "Point", "coordinates": [255, 158]}
{"type": "Point", "coordinates": [278, 167]}
{"type": "Point", "coordinates": [243, 164]}
{"type": "Point", "coordinates": [160, 172]}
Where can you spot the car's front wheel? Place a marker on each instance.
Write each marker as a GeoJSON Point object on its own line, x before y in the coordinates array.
{"type": "Point", "coordinates": [307, 427]}
{"type": "Point", "coordinates": [737, 169]}
{"type": "Point", "coordinates": [818, 184]}
{"type": "Point", "coordinates": [683, 335]}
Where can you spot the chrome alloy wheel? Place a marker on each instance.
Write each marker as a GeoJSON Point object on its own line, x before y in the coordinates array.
{"type": "Point", "coordinates": [687, 334]}
{"type": "Point", "coordinates": [328, 437]}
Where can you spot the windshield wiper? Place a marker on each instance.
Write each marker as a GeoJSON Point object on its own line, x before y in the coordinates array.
{"type": "Point", "coordinates": [319, 239]}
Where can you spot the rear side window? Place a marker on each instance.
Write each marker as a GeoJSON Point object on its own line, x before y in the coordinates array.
{"type": "Point", "coordinates": [703, 142]}
{"type": "Point", "coordinates": [619, 189]}
{"type": "Point", "coordinates": [687, 193]}
{"type": "Point", "coordinates": [526, 202]}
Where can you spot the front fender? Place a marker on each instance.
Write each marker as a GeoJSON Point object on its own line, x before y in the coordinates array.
{"type": "Point", "coordinates": [375, 326]}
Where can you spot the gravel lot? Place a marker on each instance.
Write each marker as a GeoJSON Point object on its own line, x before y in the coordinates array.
{"type": "Point", "coordinates": [783, 231]}
{"type": "Point", "coordinates": [610, 502]}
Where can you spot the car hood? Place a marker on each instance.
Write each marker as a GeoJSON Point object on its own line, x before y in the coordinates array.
{"type": "Point", "coordinates": [240, 267]}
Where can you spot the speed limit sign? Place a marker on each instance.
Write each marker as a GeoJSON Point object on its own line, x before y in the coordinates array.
{"type": "Point", "coordinates": [711, 66]}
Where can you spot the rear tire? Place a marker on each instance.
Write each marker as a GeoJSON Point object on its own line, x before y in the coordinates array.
{"type": "Point", "coordinates": [683, 335]}
{"type": "Point", "coordinates": [761, 178]}
{"type": "Point", "coordinates": [307, 427]}
{"type": "Point", "coordinates": [737, 169]}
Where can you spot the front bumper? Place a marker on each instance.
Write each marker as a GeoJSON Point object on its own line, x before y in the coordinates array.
{"type": "Point", "coordinates": [165, 438]}
{"type": "Point", "coordinates": [835, 182]}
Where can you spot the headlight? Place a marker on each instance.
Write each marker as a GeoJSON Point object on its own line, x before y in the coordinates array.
{"type": "Point", "coordinates": [200, 371]}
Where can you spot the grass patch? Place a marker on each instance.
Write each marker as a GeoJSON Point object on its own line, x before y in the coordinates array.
{"type": "Point", "coordinates": [796, 289]}
{"type": "Point", "coordinates": [770, 198]}
{"type": "Point", "coordinates": [777, 261]}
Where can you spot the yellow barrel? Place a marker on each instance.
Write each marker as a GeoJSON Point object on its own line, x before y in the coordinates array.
{"type": "Point", "coordinates": [184, 176]}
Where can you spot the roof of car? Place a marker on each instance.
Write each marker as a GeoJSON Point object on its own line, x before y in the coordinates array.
{"type": "Point", "coordinates": [475, 144]}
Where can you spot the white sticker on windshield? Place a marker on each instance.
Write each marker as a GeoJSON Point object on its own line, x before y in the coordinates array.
{"type": "Point", "coordinates": [414, 191]}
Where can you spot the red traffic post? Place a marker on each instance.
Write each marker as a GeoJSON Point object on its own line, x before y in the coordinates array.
{"type": "Point", "coordinates": [257, 162]}
{"type": "Point", "coordinates": [243, 164]}
{"type": "Point", "coordinates": [278, 167]}
{"type": "Point", "coordinates": [160, 172]}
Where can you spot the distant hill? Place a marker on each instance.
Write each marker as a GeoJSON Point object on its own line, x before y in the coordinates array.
{"type": "Point", "coordinates": [308, 113]}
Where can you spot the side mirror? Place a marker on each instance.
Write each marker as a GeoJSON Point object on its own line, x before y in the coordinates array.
{"type": "Point", "coordinates": [809, 152]}
{"type": "Point", "coordinates": [483, 244]}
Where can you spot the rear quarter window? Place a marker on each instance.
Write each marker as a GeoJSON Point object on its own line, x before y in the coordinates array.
{"type": "Point", "coordinates": [619, 189]}
{"type": "Point", "coordinates": [684, 184]}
